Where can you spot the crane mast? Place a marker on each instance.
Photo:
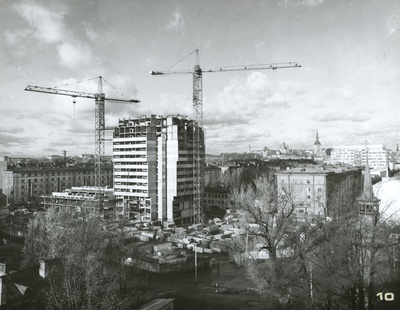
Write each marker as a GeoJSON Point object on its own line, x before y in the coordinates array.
{"type": "Point", "coordinates": [198, 135]}
{"type": "Point", "coordinates": [198, 142]}
{"type": "Point", "coordinates": [100, 128]}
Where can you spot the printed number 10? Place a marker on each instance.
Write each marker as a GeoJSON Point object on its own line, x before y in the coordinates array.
{"type": "Point", "coordinates": [386, 296]}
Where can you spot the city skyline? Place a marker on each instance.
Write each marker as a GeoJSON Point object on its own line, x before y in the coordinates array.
{"type": "Point", "coordinates": [347, 87]}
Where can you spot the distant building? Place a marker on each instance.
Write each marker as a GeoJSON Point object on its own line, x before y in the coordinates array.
{"type": "Point", "coordinates": [317, 147]}
{"type": "Point", "coordinates": [212, 175]}
{"type": "Point", "coordinates": [27, 184]}
{"type": "Point", "coordinates": [217, 197]}
{"type": "Point", "coordinates": [356, 155]}
{"type": "Point", "coordinates": [320, 192]}
{"type": "Point", "coordinates": [153, 167]}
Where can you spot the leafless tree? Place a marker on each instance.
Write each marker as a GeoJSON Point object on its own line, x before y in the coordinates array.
{"type": "Point", "coordinates": [87, 263]}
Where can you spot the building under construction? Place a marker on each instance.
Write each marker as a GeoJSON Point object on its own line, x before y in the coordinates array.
{"type": "Point", "coordinates": [82, 199]}
{"type": "Point", "coordinates": [154, 168]}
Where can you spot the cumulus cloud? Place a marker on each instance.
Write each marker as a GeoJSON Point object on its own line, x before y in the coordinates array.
{"type": "Point", "coordinates": [74, 54]}
{"type": "Point", "coordinates": [48, 27]}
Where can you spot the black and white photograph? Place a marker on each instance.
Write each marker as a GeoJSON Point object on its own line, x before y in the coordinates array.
{"type": "Point", "coordinates": [183, 154]}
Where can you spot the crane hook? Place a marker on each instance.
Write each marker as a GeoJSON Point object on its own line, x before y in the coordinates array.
{"type": "Point", "coordinates": [74, 101]}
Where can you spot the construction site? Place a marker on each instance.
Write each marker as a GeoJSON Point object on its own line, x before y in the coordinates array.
{"type": "Point", "coordinates": [158, 160]}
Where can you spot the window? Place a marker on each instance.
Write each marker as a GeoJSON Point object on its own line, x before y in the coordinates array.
{"type": "Point", "coordinates": [320, 189]}
{"type": "Point", "coordinates": [308, 182]}
{"type": "Point", "coordinates": [308, 197]}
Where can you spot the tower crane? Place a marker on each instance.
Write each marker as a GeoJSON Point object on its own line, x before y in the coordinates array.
{"type": "Point", "coordinates": [198, 136]}
{"type": "Point", "coordinates": [100, 128]}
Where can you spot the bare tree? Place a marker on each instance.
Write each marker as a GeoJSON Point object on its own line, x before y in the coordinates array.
{"type": "Point", "coordinates": [88, 270]}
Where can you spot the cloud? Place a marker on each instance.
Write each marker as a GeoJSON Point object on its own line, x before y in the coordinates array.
{"type": "Point", "coordinates": [393, 23]}
{"type": "Point", "coordinates": [48, 25]}
{"type": "Point", "coordinates": [309, 3]}
{"type": "Point", "coordinates": [338, 116]}
{"type": "Point", "coordinates": [90, 32]}
{"type": "Point", "coordinates": [14, 37]}
{"type": "Point", "coordinates": [74, 55]}
{"type": "Point", "coordinates": [177, 21]}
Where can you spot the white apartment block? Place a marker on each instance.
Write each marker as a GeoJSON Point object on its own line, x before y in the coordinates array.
{"type": "Point", "coordinates": [378, 155]}
{"type": "Point", "coordinates": [153, 168]}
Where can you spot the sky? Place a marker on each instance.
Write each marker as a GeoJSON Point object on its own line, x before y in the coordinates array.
{"type": "Point", "coordinates": [347, 87]}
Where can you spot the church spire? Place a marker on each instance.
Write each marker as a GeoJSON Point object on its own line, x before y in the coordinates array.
{"type": "Point", "coordinates": [367, 188]}
{"type": "Point", "coordinates": [317, 140]}
{"type": "Point", "coordinates": [368, 204]}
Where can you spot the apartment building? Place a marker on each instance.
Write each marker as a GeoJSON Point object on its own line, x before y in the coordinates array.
{"type": "Point", "coordinates": [28, 183]}
{"type": "Point", "coordinates": [153, 168]}
{"type": "Point", "coordinates": [321, 192]}
{"type": "Point", "coordinates": [378, 155]}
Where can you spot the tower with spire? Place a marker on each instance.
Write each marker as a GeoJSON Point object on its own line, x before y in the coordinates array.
{"type": "Point", "coordinates": [368, 204]}
{"type": "Point", "coordinates": [317, 146]}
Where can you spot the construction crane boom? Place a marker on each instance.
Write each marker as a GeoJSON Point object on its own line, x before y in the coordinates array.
{"type": "Point", "coordinates": [74, 94]}
{"type": "Point", "coordinates": [198, 136]}
{"type": "Point", "coordinates": [100, 127]}
{"type": "Point", "coordinates": [272, 66]}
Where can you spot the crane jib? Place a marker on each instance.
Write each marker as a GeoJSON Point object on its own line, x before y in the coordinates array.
{"type": "Point", "coordinates": [75, 94]}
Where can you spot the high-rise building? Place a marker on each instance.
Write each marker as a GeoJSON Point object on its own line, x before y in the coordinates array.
{"type": "Point", "coordinates": [356, 155]}
{"type": "Point", "coordinates": [153, 168]}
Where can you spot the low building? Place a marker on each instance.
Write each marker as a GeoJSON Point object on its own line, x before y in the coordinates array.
{"type": "Point", "coordinates": [22, 289]}
{"type": "Point", "coordinates": [212, 175]}
{"type": "Point", "coordinates": [81, 198]}
{"type": "Point", "coordinates": [27, 184]}
{"type": "Point", "coordinates": [321, 192]}
{"type": "Point", "coordinates": [217, 197]}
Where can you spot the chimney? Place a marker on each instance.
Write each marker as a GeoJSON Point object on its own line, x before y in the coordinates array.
{"type": "Point", "coordinates": [43, 268]}
{"type": "Point", "coordinates": [3, 269]}
{"type": "Point", "coordinates": [3, 291]}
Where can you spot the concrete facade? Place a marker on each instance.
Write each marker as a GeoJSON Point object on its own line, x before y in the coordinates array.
{"type": "Point", "coordinates": [153, 168]}
{"type": "Point", "coordinates": [321, 192]}
{"type": "Point", "coordinates": [26, 184]}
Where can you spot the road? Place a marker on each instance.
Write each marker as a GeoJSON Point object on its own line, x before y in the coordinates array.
{"type": "Point", "coordinates": [220, 288]}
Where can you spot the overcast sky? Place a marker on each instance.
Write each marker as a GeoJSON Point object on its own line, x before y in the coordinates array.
{"type": "Point", "coordinates": [347, 88]}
